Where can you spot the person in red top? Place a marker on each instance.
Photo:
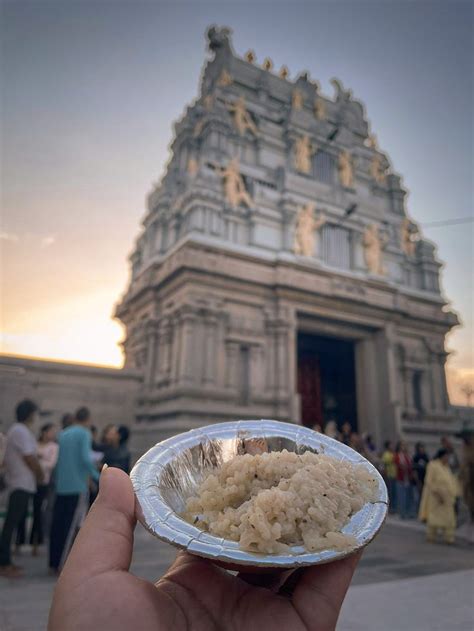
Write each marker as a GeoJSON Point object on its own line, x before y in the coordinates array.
{"type": "Point", "coordinates": [403, 462]}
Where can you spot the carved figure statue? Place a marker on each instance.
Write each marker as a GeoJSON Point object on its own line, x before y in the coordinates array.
{"type": "Point", "coordinates": [376, 169]}
{"type": "Point", "coordinates": [409, 237]}
{"type": "Point", "coordinates": [373, 250]}
{"type": "Point", "coordinates": [234, 186]}
{"type": "Point", "coordinates": [242, 118]}
{"type": "Point", "coordinates": [306, 225]}
{"type": "Point", "coordinates": [208, 102]}
{"type": "Point", "coordinates": [319, 109]}
{"type": "Point", "coordinates": [341, 93]}
{"type": "Point", "coordinates": [192, 167]}
{"type": "Point", "coordinates": [346, 175]}
{"type": "Point", "coordinates": [297, 100]}
{"type": "Point", "coordinates": [304, 150]}
{"type": "Point", "coordinates": [225, 79]}
{"type": "Point", "coordinates": [250, 56]}
{"type": "Point", "coordinates": [284, 72]}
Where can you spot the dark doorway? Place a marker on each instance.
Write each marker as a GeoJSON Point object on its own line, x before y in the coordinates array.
{"type": "Point", "coordinates": [326, 380]}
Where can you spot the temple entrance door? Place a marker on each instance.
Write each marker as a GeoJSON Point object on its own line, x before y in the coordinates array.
{"type": "Point", "coordinates": [326, 380]}
{"type": "Point", "coordinates": [309, 388]}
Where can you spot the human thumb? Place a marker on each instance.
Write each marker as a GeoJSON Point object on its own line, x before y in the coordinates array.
{"type": "Point", "coordinates": [105, 541]}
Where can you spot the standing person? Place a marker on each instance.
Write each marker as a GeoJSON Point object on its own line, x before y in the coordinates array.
{"type": "Point", "coordinates": [346, 432]}
{"type": "Point", "coordinates": [47, 456]}
{"type": "Point", "coordinates": [67, 420]}
{"type": "Point", "coordinates": [116, 453]}
{"type": "Point", "coordinates": [72, 473]}
{"type": "Point", "coordinates": [22, 471]}
{"type": "Point", "coordinates": [420, 462]}
{"type": "Point", "coordinates": [438, 499]}
{"type": "Point", "coordinates": [466, 477]}
{"type": "Point", "coordinates": [453, 459]}
{"type": "Point", "coordinates": [124, 433]}
{"type": "Point", "coordinates": [331, 430]}
{"type": "Point", "coordinates": [404, 467]}
{"type": "Point", "coordinates": [389, 469]}
{"type": "Point", "coordinates": [47, 452]}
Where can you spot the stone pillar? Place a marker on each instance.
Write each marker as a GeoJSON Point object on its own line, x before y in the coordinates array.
{"type": "Point", "coordinates": [232, 352]}
{"type": "Point", "coordinates": [187, 355]}
{"type": "Point", "coordinates": [257, 381]}
{"type": "Point", "coordinates": [288, 226]}
{"type": "Point", "coordinates": [442, 380]}
{"type": "Point", "coordinates": [210, 349]}
{"type": "Point", "coordinates": [151, 337]}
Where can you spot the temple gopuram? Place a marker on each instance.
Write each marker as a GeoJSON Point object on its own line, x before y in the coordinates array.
{"type": "Point", "coordinates": [278, 273]}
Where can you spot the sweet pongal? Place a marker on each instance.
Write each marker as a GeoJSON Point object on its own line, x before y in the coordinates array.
{"type": "Point", "coordinates": [270, 501]}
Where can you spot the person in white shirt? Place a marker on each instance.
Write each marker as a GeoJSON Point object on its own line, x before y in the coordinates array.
{"type": "Point", "coordinates": [22, 472]}
{"type": "Point", "coordinates": [47, 452]}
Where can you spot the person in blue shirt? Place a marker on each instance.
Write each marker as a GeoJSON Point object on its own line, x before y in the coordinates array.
{"type": "Point", "coordinates": [71, 476]}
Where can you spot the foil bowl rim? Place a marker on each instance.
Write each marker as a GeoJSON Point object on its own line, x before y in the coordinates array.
{"type": "Point", "coordinates": [154, 513]}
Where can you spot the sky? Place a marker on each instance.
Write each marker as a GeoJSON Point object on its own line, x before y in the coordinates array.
{"type": "Point", "coordinates": [89, 93]}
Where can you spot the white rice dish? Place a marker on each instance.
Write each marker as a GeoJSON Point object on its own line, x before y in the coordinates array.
{"type": "Point", "coordinates": [270, 501]}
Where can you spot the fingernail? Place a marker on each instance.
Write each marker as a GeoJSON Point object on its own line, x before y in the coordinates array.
{"type": "Point", "coordinates": [104, 467]}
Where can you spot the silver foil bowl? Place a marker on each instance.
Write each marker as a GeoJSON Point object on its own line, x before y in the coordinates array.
{"type": "Point", "coordinates": [171, 471]}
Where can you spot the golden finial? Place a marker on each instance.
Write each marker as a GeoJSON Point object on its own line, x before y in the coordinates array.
{"type": "Point", "coordinates": [250, 56]}
{"type": "Point", "coordinates": [267, 64]}
{"type": "Point", "coordinates": [284, 72]}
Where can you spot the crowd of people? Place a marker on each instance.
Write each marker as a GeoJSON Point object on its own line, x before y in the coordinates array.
{"type": "Point", "coordinates": [418, 486]}
{"type": "Point", "coordinates": [54, 477]}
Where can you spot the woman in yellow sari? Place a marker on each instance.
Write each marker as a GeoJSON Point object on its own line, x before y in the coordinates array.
{"type": "Point", "coordinates": [438, 498]}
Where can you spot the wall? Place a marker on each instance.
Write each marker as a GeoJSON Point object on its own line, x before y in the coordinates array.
{"type": "Point", "coordinates": [60, 387]}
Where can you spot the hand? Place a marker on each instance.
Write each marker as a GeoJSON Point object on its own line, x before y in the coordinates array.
{"type": "Point", "coordinates": [96, 590]}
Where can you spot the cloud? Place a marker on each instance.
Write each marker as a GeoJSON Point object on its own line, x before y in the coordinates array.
{"type": "Point", "coordinates": [7, 236]}
{"type": "Point", "coordinates": [47, 241]}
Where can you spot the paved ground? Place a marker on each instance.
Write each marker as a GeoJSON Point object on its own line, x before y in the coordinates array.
{"type": "Point", "coordinates": [402, 582]}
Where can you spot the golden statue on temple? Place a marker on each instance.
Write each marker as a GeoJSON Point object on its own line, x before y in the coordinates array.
{"type": "Point", "coordinates": [304, 151]}
{"type": "Point", "coordinates": [284, 72]}
{"type": "Point", "coordinates": [242, 119]}
{"type": "Point", "coordinates": [192, 167]}
{"type": "Point", "coordinates": [234, 186]}
{"type": "Point", "coordinates": [225, 79]}
{"type": "Point", "coordinates": [376, 169]}
{"type": "Point", "coordinates": [373, 250]}
{"type": "Point", "coordinates": [409, 237]}
{"type": "Point", "coordinates": [320, 109]}
{"type": "Point", "coordinates": [297, 100]}
{"type": "Point", "coordinates": [208, 102]}
{"type": "Point", "coordinates": [346, 174]}
{"type": "Point", "coordinates": [306, 225]}
{"type": "Point", "coordinates": [250, 56]}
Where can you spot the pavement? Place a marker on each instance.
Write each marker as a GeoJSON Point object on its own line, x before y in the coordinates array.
{"type": "Point", "coordinates": [402, 583]}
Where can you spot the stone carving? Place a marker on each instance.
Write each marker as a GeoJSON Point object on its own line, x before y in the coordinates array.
{"type": "Point", "coordinates": [372, 142]}
{"type": "Point", "coordinates": [225, 79]}
{"type": "Point", "coordinates": [234, 186]}
{"type": "Point", "coordinates": [306, 225]}
{"type": "Point", "coordinates": [320, 109]}
{"type": "Point", "coordinates": [208, 102]}
{"type": "Point", "coordinates": [192, 167]}
{"type": "Point", "coordinates": [297, 100]}
{"type": "Point", "coordinates": [341, 95]}
{"type": "Point", "coordinates": [219, 38]}
{"type": "Point", "coordinates": [346, 174]}
{"type": "Point", "coordinates": [267, 64]}
{"type": "Point", "coordinates": [284, 72]}
{"type": "Point", "coordinates": [250, 56]}
{"type": "Point", "coordinates": [198, 127]}
{"type": "Point", "coordinates": [242, 119]}
{"type": "Point", "coordinates": [373, 250]}
{"type": "Point", "coordinates": [377, 170]}
{"type": "Point", "coordinates": [409, 237]}
{"type": "Point", "coordinates": [304, 150]}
